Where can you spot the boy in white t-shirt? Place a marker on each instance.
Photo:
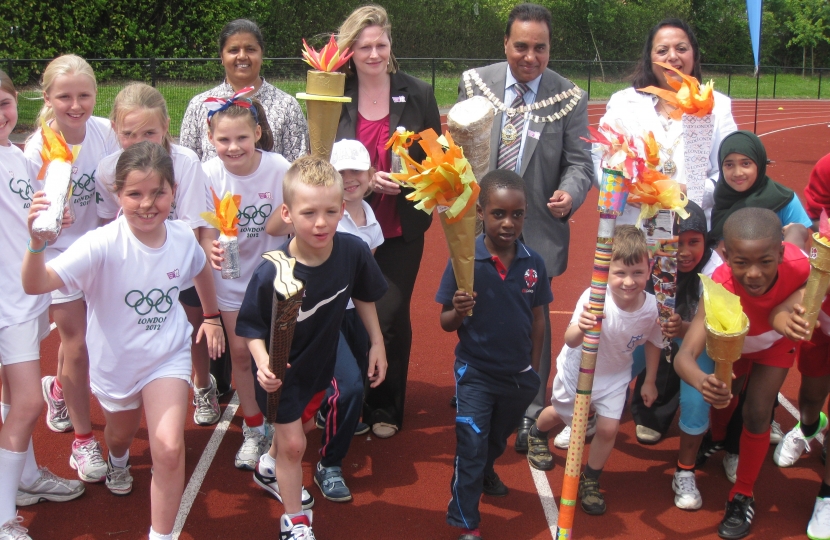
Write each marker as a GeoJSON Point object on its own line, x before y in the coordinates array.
{"type": "Point", "coordinates": [630, 320]}
{"type": "Point", "coordinates": [339, 414]}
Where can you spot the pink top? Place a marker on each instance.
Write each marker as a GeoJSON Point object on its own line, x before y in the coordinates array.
{"type": "Point", "coordinates": [374, 134]}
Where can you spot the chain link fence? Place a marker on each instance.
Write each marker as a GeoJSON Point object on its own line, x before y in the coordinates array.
{"type": "Point", "coordinates": [179, 79]}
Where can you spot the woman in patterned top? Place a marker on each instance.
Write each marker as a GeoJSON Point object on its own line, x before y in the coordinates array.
{"type": "Point", "coordinates": [241, 48]}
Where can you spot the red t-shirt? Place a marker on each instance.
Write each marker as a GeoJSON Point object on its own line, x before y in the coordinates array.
{"type": "Point", "coordinates": [374, 135]}
{"type": "Point", "coordinates": [762, 340]}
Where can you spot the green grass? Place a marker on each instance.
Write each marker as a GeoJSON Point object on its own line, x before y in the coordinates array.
{"type": "Point", "coordinates": [178, 94]}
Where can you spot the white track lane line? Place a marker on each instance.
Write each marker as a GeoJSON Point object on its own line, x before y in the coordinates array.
{"type": "Point", "coordinates": [52, 326]}
{"type": "Point", "coordinates": [198, 476]}
{"type": "Point", "coordinates": [793, 127]}
{"type": "Point", "coordinates": [547, 499]}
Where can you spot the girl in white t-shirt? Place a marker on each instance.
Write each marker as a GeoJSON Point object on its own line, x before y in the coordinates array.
{"type": "Point", "coordinates": [131, 272]}
{"type": "Point", "coordinates": [24, 322]}
{"type": "Point", "coordinates": [69, 91]}
{"type": "Point", "coordinates": [244, 166]}
{"type": "Point", "coordinates": [139, 113]}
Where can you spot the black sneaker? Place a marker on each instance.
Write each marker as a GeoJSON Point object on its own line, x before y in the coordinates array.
{"type": "Point", "coordinates": [738, 517]}
{"type": "Point", "coordinates": [493, 486]}
{"type": "Point", "coordinates": [521, 437]}
{"type": "Point", "coordinates": [593, 502]}
{"type": "Point", "coordinates": [707, 449]}
{"type": "Point", "coordinates": [538, 452]}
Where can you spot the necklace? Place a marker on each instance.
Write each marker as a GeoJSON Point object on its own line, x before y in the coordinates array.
{"type": "Point", "coordinates": [575, 93]}
{"type": "Point", "coordinates": [669, 166]}
{"type": "Point", "coordinates": [374, 99]}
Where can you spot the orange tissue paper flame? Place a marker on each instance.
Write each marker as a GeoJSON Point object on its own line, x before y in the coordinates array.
{"type": "Point", "coordinates": [54, 149]}
{"type": "Point", "coordinates": [226, 213]}
{"type": "Point", "coordinates": [689, 96]}
{"type": "Point", "coordinates": [655, 191]}
{"type": "Point", "coordinates": [330, 57]}
{"type": "Point", "coordinates": [401, 139]}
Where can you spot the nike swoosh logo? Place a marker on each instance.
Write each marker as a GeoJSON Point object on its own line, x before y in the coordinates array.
{"type": "Point", "coordinates": [303, 315]}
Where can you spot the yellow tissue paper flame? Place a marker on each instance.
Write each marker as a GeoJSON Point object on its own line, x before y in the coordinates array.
{"type": "Point", "coordinates": [445, 178]}
{"type": "Point", "coordinates": [723, 309]}
{"type": "Point", "coordinates": [226, 213]}
{"type": "Point", "coordinates": [655, 191]}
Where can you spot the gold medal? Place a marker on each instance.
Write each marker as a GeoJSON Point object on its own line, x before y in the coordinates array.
{"type": "Point", "coordinates": [669, 167]}
{"type": "Point", "coordinates": [509, 133]}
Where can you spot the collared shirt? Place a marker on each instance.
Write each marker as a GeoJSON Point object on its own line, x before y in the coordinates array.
{"type": "Point", "coordinates": [529, 98]}
{"type": "Point", "coordinates": [497, 338]}
{"type": "Point", "coordinates": [285, 117]}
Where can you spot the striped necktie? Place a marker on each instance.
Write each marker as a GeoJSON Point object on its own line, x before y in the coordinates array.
{"type": "Point", "coordinates": [511, 136]}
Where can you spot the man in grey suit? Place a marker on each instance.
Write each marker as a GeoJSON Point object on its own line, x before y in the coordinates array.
{"type": "Point", "coordinates": [539, 120]}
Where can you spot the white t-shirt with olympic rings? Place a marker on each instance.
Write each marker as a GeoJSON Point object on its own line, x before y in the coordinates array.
{"type": "Point", "coordinates": [261, 194]}
{"type": "Point", "coordinates": [137, 330]}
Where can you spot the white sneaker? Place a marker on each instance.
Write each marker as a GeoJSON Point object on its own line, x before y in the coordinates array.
{"type": "Point", "coordinates": [48, 487]}
{"type": "Point", "coordinates": [296, 531]}
{"type": "Point", "coordinates": [57, 415]}
{"type": "Point", "coordinates": [254, 445]}
{"type": "Point", "coordinates": [266, 478]}
{"type": "Point", "coordinates": [563, 440]}
{"type": "Point", "coordinates": [86, 458]}
{"type": "Point", "coordinates": [790, 448]}
{"type": "Point", "coordinates": [206, 401]}
{"type": "Point", "coordinates": [819, 526]}
{"type": "Point", "coordinates": [686, 494]}
{"type": "Point", "coordinates": [775, 432]}
{"type": "Point", "coordinates": [119, 479]}
{"type": "Point", "coordinates": [730, 466]}
{"type": "Point", "coordinates": [13, 530]}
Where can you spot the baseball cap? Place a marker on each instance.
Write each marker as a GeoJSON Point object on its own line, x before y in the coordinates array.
{"type": "Point", "coordinates": [350, 154]}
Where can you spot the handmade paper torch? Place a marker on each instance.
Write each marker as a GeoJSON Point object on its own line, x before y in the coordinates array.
{"type": "Point", "coordinates": [288, 298]}
{"type": "Point", "coordinates": [324, 95]}
{"type": "Point", "coordinates": [694, 104]}
{"type": "Point", "coordinates": [819, 280]}
{"type": "Point", "coordinates": [726, 328]}
{"type": "Point", "coordinates": [225, 218]}
{"type": "Point", "coordinates": [445, 181]}
{"type": "Point", "coordinates": [56, 173]}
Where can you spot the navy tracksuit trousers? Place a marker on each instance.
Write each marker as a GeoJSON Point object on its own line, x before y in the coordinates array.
{"type": "Point", "coordinates": [489, 408]}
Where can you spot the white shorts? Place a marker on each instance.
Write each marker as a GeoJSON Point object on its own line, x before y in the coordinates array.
{"type": "Point", "coordinates": [61, 298]}
{"type": "Point", "coordinates": [609, 404]}
{"type": "Point", "coordinates": [21, 342]}
{"type": "Point", "coordinates": [113, 405]}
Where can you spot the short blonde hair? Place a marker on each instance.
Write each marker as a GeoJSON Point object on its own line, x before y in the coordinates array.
{"type": "Point", "coordinates": [629, 245]}
{"type": "Point", "coordinates": [360, 19]}
{"type": "Point", "coordinates": [68, 64]}
{"type": "Point", "coordinates": [136, 97]}
{"type": "Point", "coordinates": [309, 171]}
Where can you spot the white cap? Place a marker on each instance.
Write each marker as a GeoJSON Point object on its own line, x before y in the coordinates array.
{"type": "Point", "coordinates": [350, 154]}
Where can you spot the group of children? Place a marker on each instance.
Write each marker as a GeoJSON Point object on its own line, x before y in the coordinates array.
{"type": "Point", "coordinates": [140, 305]}
{"type": "Point", "coordinates": [137, 246]}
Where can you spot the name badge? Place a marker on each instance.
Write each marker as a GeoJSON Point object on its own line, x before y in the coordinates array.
{"type": "Point", "coordinates": [533, 134]}
{"type": "Point", "coordinates": [399, 99]}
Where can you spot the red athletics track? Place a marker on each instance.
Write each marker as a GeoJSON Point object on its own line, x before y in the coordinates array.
{"type": "Point", "coordinates": [401, 485]}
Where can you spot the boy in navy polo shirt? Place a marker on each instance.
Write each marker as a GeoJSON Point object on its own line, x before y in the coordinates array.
{"type": "Point", "coordinates": [498, 347]}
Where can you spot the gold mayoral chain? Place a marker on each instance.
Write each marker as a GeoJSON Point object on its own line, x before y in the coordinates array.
{"type": "Point", "coordinates": [509, 132]}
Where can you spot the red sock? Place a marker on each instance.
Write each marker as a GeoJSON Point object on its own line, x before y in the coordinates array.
{"type": "Point", "coordinates": [474, 532]}
{"type": "Point", "coordinates": [57, 390]}
{"type": "Point", "coordinates": [255, 420]}
{"type": "Point", "coordinates": [753, 452]}
{"type": "Point", "coordinates": [303, 519]}
{"type": "Point", "coordinates": [83, 437]}
{"type": "Point", "coordinates": [720, 419]}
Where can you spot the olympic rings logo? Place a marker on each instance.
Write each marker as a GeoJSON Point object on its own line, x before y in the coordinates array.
{"type": "Point", "coordinates": [252, 214]}
{"type": "Point", "coordinates": [22, 188]}
{"type": "Point", "coordinates": [156, 298]}
{"type": "Point", "coordinates": [85, 183]}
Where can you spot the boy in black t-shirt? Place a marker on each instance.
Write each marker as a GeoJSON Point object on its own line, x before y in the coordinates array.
{"type": "Point", "coordinates": [334, 268]}
{"type": "Point", "coordinates": [498, 347]}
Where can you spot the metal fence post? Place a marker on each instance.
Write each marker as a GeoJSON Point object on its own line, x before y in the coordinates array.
{"type": "Point", "coordinates": [153, 72]}
{"type": "Point", "coordinates": [729, 83]}
{"type": "Point", "coordinates": [589, 78]}
{"type": "Point", "coordinates": [433, 73]}
{"type": "Point", "coordinates": [819, 83]}
{"type": "Point", "coordinates": [11, 65]}
{"type": "Point", "coordinates": [774, 80]}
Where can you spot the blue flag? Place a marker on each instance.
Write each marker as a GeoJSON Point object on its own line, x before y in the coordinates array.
{"type": "Point", "coordinates": [754, 9]}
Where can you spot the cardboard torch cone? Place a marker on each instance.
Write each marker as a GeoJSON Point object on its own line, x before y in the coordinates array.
{"type": "Point", "coordinates": [817, 283]}
{"type": "Point", "coordinates": [725, 349]}
{"type": "Point", "coordinates": [324, 99]}
{"type": "Point", "coordinates": [461, 241]}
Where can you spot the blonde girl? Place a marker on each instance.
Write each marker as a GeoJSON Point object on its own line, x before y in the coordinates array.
{"type": "Point", "coordinates": [69, 92]}
{"type": "Point", "coordinates": [139, 113]}
{"type": "Point", "coordinates": [131, 272]}
{"type": "Point", "coordinates": [24, 322]}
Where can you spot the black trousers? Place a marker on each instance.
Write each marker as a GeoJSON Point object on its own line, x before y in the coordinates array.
{"type": "Point", "coordinates": [399, 261]}
{"type": "Point", "coordinates": [661, 413]}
